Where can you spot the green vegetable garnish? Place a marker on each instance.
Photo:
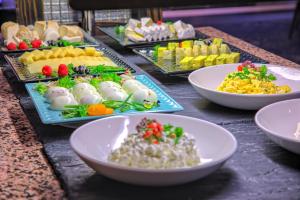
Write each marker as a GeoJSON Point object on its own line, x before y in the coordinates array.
{"type": "Point", "coordinates": [41, 88]}
{"type": "Point", "coordinates": [95, 82]}
{"type": "Point", "coordinates": [70, 69]}
{"type": "Point", "coordinates": [119, 29]}
{"type": "Point", "coordinates": [96, 70]}
{"type": "Point", "coordinates": [75, 111]}
{"type": "Point", "coordinates": [66, 82]}
{"type": "Point", "coordinates": [172, 131]}
{"type": "Point", "coordinates": [111, 77]}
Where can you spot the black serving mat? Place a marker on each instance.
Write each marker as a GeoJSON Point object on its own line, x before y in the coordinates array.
{"type": "Point", "coordinates": [87, 39]}
{"type": "Point", "coordinates": [125, 42]}
{"type": "Point", "coordinates": [144, 52]}
{"type": "Point", "coordinates": [23, 75]}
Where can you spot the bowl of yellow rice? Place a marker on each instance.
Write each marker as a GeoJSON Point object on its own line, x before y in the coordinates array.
{"type": "Point", "coordinates": [246, 85]}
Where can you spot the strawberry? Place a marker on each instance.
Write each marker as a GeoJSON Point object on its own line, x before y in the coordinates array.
{"type": "Point", "coordinates": [11, 46]}
{"type": "Point", "coordinates": [23, 46]}
{"type": "Point", "coordinates": [62, 70]}
{"type": "Point", "coordinates": [47, 70]}
{"type": "Point", "coordinates": [36, 43]}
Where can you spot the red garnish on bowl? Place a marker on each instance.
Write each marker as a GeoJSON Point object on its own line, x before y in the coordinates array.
{"type": "Point", "coordinates": [23, 45]}
{"type": "Point", "coordinates": [47, 70]}
{"type": "Point", "coordinates": [11, 46]}
{"type": "Point", "coordinates": [62, 70]}
{"type": "Point", "coordinates": [36, 43]}
{"type": "Point", "coordinates": [159, 22]}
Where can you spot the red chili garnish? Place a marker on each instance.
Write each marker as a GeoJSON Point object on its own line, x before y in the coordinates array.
{"type": "Point", "coordinates": [47, 70]}
{"type": "Point", "coordinates": [158, 134]}
{"type": "Point", "coordinates": [147, 134]}
{"type": "Point", "coordinates": [62, 70]}
{"type": "Point", "coordinates": [11, 46]}
{"type": "Point", "coordinates": [240, 68]}
{"type": "Point", "coordinates": [159, 22]}
{"type": "Point", "coordinates": [155, 141]}
{"type": "Point", "coordinates": [23, 45]}
{"type": "Point", "coordinates": [36, 43]}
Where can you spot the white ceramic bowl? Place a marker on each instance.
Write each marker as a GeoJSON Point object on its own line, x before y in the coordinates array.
{"type": "Point", "coordinates": [93, 142]}
{"type": "Point", "coordinates": [279, 121]}
{"type": "Point", "coordinates": [206, 80]}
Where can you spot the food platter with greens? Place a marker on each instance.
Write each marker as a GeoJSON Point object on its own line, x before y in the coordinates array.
{"type": "Point", "coordinates": [70, 100]}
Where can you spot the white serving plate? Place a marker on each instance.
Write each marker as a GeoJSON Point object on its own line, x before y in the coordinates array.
{"type": "Point", "coordinates": [93, 142]}
{"type": "Point", "coordinates": [279, 122]}
{"type": "Point", "coordinates": [206, 80]}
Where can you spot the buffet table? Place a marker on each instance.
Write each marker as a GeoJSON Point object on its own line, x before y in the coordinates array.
{"type": "Point", "coordinates": [36, 160]}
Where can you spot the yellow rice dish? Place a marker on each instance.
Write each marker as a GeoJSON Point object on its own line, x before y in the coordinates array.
{"type": "Point", "coordinates": [249, 79]}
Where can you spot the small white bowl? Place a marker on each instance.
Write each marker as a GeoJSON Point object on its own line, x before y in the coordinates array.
{"type": "Point", "coordinates": [93, 142]}
{"type": "Point", "coordinates": [206, 80]}
{"type": "Point", "coordinates": [279, 121]}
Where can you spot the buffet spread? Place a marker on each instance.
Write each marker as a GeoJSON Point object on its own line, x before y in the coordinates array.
{"type": "Point", "coordinates": [71, 81]}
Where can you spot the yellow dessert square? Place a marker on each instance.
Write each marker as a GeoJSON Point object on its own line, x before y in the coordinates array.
{"type": "Point", "coordinates": [221, 59]}
{"type": "Point", "coordinates": [185, 64]}
{"type": "Point", "coordinates": [214, 49]}
{"type": "Point", "coordinates": [196, 50]}
{"type": "Point", "coordinates": [224, 49]}
{"type": "Point", "coordinates": [210, 60]}
{"type": "Point", "coordinates": [179, 55]}
{"type": "Point", "coordinates": [160, 51]}
{"type": "Point", "coordinates": [217, 41]}
{"type": "Point", "coordinates": [89, 51]}
{"type": "Point", "coordinates": [204, 50]}
{"type": "Point", "coordinates": [168, 54]}
{"type": "Point", "coordinates": [188, 52]}
{"type": "Point", "coordinates": [187, 44]}
{"type": "Point", "coordinates": [198, 62]}
{"type": "Point", "coordinates": [172, 45]}
{"type": "Point", "coordinates": [233, 58]}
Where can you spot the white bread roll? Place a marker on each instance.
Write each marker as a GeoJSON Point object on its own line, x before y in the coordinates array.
{"type": "Point", "coordinates": [9, 29]}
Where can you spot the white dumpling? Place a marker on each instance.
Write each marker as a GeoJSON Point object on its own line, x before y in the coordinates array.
{"type": "Point", "coordinates": [119, 95]}
{"type": "Point", "coordinates": [59, 103]}
{"type": "Point", "coordinates": [112, 91]}
{"type": "Point", "coordinates": [107, 85]}
{"type": "Point", "coordinates": [132, 85]}
{"type": "Point", "coordinates": [80, 88]}
{"type": "Point", "coordinates": [144, 96]}
{"type": "Point", "coordinates": [93, 98]}
{"type": "Point", "coordinates": [84, 93]}
{"type": "Point", "coordinates": [56, 91]}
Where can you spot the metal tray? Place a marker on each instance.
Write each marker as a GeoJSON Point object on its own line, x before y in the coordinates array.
{"type": "Point", "coordinates": [23, 75]}
{"type": "Point", "coordinates": [88, 39]}
{"type": "Point", "coordinates": [48, 116]}
{"type": "Point", "coordinates": [169, 68]}
{"type": "Point", "coordinates": [125, 42]}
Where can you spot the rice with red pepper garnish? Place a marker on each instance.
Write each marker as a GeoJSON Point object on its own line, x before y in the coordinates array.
{"type": "Point", "coordinates": [249, 79]}
{"type": "Point", "coordinates": [156, 146]}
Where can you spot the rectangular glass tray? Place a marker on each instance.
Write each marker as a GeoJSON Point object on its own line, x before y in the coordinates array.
{"type": "Point", "coordinates": [48, 116]}
{"type": "Point", "coordinates": [170, 68]}
{"type": "Point", "coordinates": [125, 42]}
{"type": "Point", "coordinates": [23, 74]}
{"type": "Point", "coordinates": [87, 38]}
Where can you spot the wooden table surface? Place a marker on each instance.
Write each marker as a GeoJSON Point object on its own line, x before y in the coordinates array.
{"type": "Point", "coordinates": [36, 160]}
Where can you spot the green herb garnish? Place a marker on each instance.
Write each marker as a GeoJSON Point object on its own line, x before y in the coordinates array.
{"type": "Point", "coordinates": [41, 88]}
{"type": "Point", "coordinates": [66, 82]}
{"type": "Point", "coordinates": [75, 111]}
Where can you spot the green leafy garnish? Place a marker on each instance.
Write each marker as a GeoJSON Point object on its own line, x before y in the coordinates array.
{"type": "Point", "coordinates": [96, 70]}
{"type": "Point", "coordinates": [66, 82]}
{"type": "Point", "coordinates": [111, 77]}
{"type": "Point", "coordinates": [174, 132]}
{"type": "Point", "coordinates": [75, 111]}
{"type": "Point", "coordinates": [155, 51]}
{"type": "Point", "coordinates": [41, 88]}
{"type": "Point", "coordinates": [70, 69]}
{"type": "Point", "coordinates": [95, 82]}
{"type": "Point", "coordinates": [119, 29]}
